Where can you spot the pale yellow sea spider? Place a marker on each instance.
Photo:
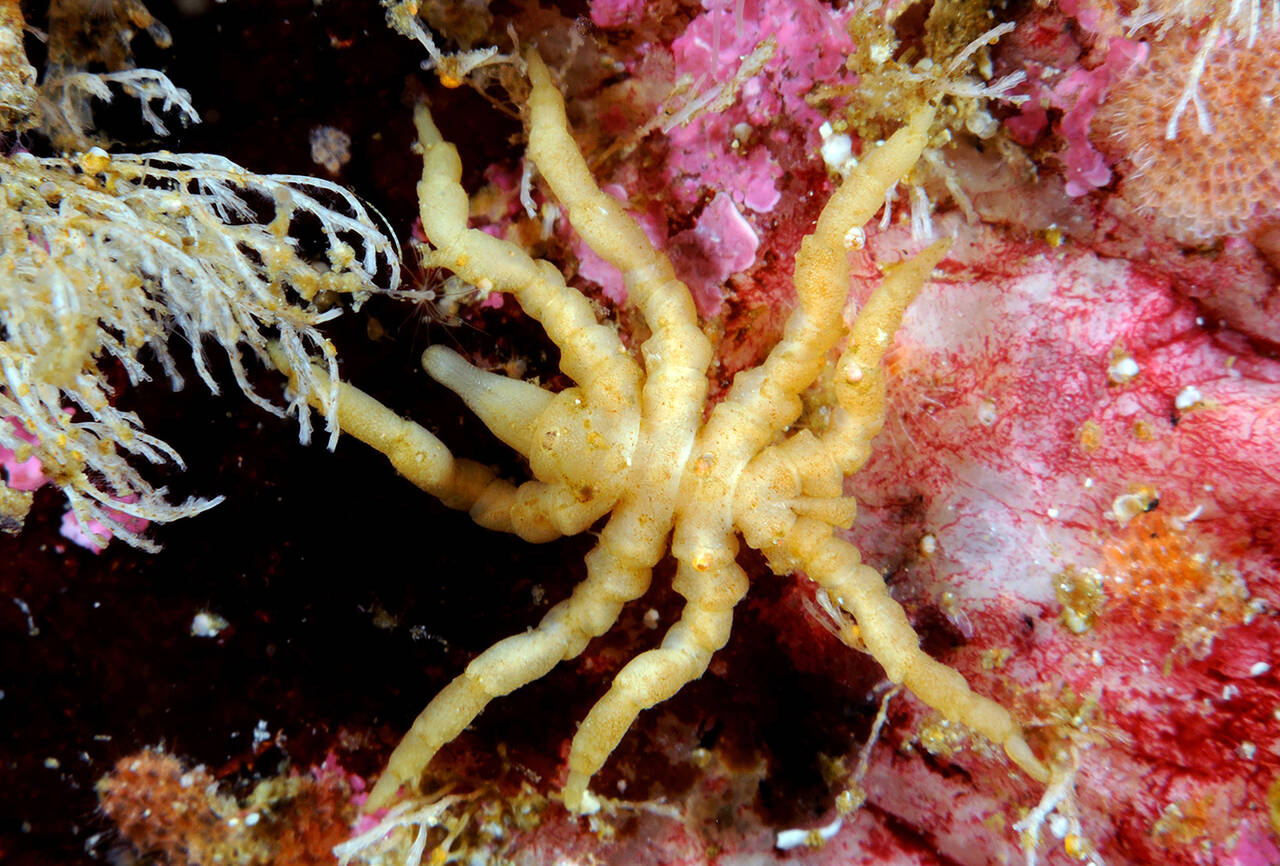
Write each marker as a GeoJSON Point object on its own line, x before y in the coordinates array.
{"type": "Point", "coordinates": [630, 440]}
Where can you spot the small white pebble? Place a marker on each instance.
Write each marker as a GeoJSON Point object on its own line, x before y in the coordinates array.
{"type": "Point", "coordinates": [1122, 370]}
{"type": "Point", "coordinates": [1059, 825]}
{"type": "Point", "coordinates": [1258, 669]}
{"type": "Point", "coordinates": [206, 624]}
{"type": "Point", "coordinates": [1188, 397]}
{"type": "Point", "coordinates": [789, 839]}
{"type": "Point", "coordinates": [837, 148]}
{"type": "Point", "coordinates": [1128, 506]}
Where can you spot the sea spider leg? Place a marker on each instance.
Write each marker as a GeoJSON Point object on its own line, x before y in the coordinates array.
{"type": "Point", "coordinates": [676, 359]}
{"type": "Point", "coordinates": [618, 570]}
{"type": "Point", "coordinates": [774, 518]}
{"type": "Point", "coordinates": [760, 404]}
{"type": "Point", "coordinates": [580, 441]}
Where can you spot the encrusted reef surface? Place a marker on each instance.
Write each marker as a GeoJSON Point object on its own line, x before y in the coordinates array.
{"type": "Point", "coordinates": [1074, 495]}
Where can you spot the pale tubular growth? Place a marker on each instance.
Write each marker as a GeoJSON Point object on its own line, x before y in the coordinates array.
{"type": "Point", "coordinates": [105, 254]}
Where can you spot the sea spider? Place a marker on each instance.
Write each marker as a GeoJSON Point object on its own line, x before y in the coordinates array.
{"type": "Point", "coordinates": [630, 440]}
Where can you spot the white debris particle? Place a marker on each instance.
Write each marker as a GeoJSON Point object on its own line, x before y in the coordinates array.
{"type": "Point", "coordinates": [330, 147]}
{"type": "Point", "coordinates": [1129, 505]}
{"type": "Point", "coordinates": [1248, 750]}
{"type": "Point", "coordinates": [207, 624]}
{"type": "Point", "coordinates": [1229, 692]}
{"type": "Point", "coordinates": [33, 630]}
{"type": "Point", "coordinates": [1258, 669]}
{"type": "Point", "coordinates": [251, 819]}
{"type": "Point", "coordinates": [52, 763]}
{"type": "Point", "coordinates": [526, 188]}
{"type": "Point", "coordinates": [550, 214]}
{"type": "Point", "coordinates": [590, 803]}
{"type": "Point", "coordinates": [789, 839]}
{"type": "Point", "coordinates": [928, 545]}
{"type": "Point", "coordinates": [1096, 658]}
{"type": "Point", "coordinates": [260, 733]}
{"type": "Point", "coordinates": [1059, 825]}
{"type": "Point", "coordinates": [1187, 398]}
{"type": "Point", "coordinates": [1180, 523]}
{"type": "Point", "coordinates": [1122, 370]}
{"type": "Point", "coordinates": [987, 413]}
{"type": "Point", "coordinates": [837, 149]}
{"type": "Point", "coordinates": [1053, 513]}
{"type": "Point", "coordinates": [651, 618]}
{"type": "Point", "coordinates": [1088, 484]}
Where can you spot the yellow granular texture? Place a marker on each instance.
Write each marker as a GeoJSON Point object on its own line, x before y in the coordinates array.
{"type": "Point", "coordinates": [1199, 186]}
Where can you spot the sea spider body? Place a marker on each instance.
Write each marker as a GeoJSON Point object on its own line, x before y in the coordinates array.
{"type": "Point", "coordinates": [630, 441]}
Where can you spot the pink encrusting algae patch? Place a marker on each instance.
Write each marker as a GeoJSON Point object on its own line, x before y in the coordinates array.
{"type": "Point", "coordinates": [736, 151]}
{"type": "Point", "coordinates": [720, 244]}
{"type": "Point", "coordinates": [725, 144]}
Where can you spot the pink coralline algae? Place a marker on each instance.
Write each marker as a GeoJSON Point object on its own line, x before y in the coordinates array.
{"type": "Point", "coordinates": [811, 43]}
{"type": "Point", "coordinates": [1077, 95]}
